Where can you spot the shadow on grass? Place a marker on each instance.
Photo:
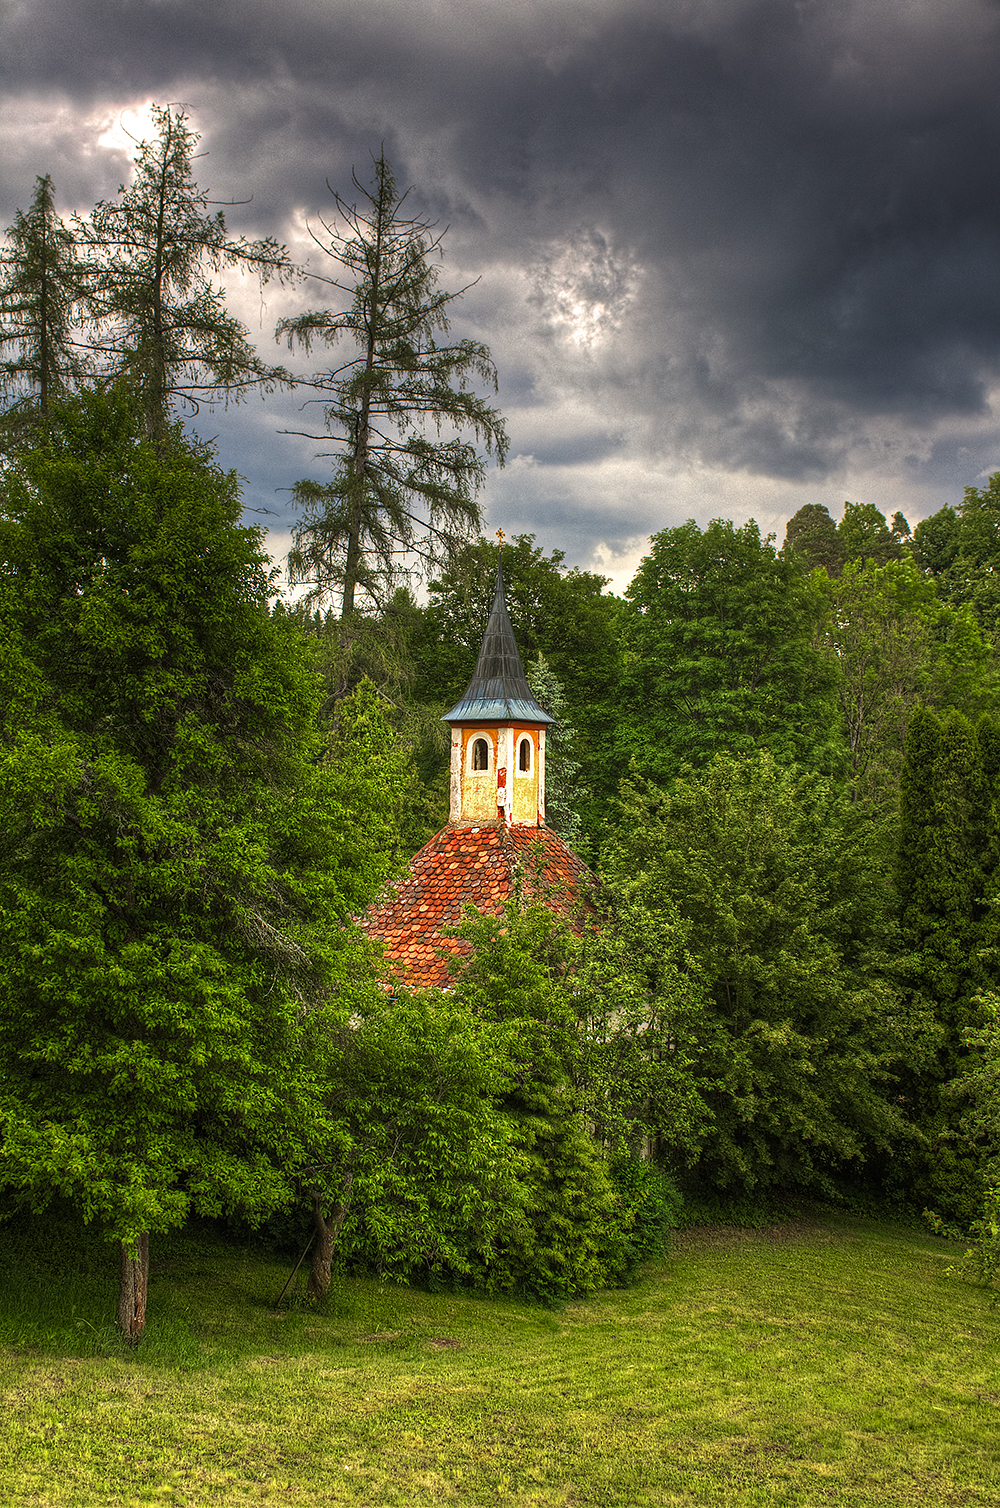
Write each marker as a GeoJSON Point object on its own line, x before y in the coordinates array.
{"type": "Point", "coordinates": [211, 1300]}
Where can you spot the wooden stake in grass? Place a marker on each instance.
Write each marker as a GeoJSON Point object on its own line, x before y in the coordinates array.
{"type": "Point", "coordinates": [133, 1285]}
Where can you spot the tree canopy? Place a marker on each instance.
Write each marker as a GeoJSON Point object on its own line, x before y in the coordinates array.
{"type": "Point", "coordinates": [174, 875]}
{"type": "Point", "coordinates": [720, 655]}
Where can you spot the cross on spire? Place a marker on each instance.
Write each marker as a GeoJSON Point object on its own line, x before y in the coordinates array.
{"type": "Point", "coordinates": [500, 537]}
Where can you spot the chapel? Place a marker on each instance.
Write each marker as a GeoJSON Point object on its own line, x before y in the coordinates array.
{"type": "Point", "coordinates": [496, 834]}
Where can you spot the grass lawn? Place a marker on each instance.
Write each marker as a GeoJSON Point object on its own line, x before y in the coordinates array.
{"type": "Point", "coordinates": [828, 1361]}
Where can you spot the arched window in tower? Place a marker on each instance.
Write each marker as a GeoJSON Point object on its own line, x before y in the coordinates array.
{"type": "Point", "coordinates": [480, 754]}
{"type": "Point", "coordinates": [524, 756]}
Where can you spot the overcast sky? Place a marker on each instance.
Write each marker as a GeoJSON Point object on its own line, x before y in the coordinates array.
{"type": "Point", "coordinates": [734, 255]}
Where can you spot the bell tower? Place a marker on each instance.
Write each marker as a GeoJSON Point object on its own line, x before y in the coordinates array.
{"type": "Point", "coordinates": [498, 734]}
{"type": "Point", "coordinates": [495, 843]}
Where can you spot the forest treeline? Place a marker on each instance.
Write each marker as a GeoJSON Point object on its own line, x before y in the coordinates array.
{"type": "Point", "coordinates": [783, 765]}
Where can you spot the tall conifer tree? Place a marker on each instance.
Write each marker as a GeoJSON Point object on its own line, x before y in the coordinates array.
{"type": "Point", "coordinates": [397, 490]}
{"type": "Point", "coordinates": [43, 279]}
{"type": "Point", "coordinates": [160, 321]}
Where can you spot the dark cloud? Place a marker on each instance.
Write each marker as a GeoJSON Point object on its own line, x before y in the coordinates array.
{"type": "Point", "coordinates": [743, 239]}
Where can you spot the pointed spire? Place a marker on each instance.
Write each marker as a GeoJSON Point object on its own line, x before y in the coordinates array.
{"type": "Point", "coordinates": [499, 690]}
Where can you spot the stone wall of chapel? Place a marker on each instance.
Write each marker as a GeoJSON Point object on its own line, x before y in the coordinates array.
{"type": "Point", "coordinates": [524, 807]}
{"type": "Point", "coordinates": [479, 787]}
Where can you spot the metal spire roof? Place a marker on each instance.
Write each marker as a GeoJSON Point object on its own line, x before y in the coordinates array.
{"type": "Point", "coordinates": [499, 691]}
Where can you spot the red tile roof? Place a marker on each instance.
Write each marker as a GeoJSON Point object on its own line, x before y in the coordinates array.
{"type": "Point", "coordinates": [464, 865]}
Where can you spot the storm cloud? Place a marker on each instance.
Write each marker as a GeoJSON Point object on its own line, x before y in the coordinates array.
{"type": "Point", "coordinates": [732, 256]}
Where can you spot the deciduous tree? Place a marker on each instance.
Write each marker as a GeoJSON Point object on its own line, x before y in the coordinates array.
{"type": "Point", "coordinates": [785, 912]}
{"type": "Point", "coordinates": [720, 649]}
{"type": "Point", "coordinates": [812, 533]}
{"type": "Point", "coordinates": [897, 647]}
{"type": "Point", "coordinates": [175, 874]}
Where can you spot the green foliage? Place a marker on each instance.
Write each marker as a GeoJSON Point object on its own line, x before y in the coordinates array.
{"type": "Point", "coordinates": [584, 1221]}
{"type": "Point", "coordinates": [780, 888]}
{"type": "Point", "coordinates": [812, 533]}
{"type": "Point", "coordinates": [377, 649]}
{"type": "Point", "coordinates": [437, 1179]}
{"type": "Point", "coordinates": [946, 868]}
{"type": "Point", "coordinates": [897, 647]}
{"type": "Point", "coordinates": [172, 830]}
{"type": "Point", "coordinates": [936, 544]}
{"type": "Point", "coordinates": [44, 280]}
{"type": "Point", "coordinates": [160, 322]}
{"type": "Point", "coordinates": [641, 1002]}
{"type": "Point", "coordinates": [720, 655]}
{"type": "Point", "coordinates": [975, 1097]}
{"type": "Point", "coordinates": [562, 794]}
{"type": "Point", "coordinates": [864, 535]}
{"type": "Point", "coordinates": [946, 879]}
{"type": "Point", "coordinates": [396, 489]}
{"type": "Point", "coordinates": [373, 782]}
{"type": "Point", "coordinates": [961, 548]}
{"type": "Point", "coordinates": [517, 975]}
{"type": "Point", "coordinates": [649, 1204]}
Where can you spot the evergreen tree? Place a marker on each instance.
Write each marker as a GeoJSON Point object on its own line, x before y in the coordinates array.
{"type": "Point", "coordinates": [159, 320]}
{"type": "Point", "coordinates": [43, 281]}
{"type": "Point", "coordinates": [562, 792]}
{"type": "Point", "coordinates": [942, 876]}
{"type": "Point", "coordinates": [397, 490]}
{"type": "Point", "coordinates": [946, 878]}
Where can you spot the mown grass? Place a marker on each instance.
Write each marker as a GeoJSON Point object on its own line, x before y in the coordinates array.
{"type": "Point", "coordinates": [827, 1361]}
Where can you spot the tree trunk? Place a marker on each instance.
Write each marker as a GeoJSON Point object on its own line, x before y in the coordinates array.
{"type": "Point", "coordinates": [132, 1285]}
{"type": "Point", "coordinates": [327, 1231]}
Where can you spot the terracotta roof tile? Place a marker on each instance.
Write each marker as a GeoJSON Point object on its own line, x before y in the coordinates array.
{"type": "Point", "coordinates": [461, 866]}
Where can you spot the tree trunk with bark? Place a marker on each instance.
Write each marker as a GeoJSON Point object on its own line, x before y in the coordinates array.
{"type": "Point", "coordinates": [132, 1286]}
{"type": "Point", "coordinates": [327, 1231]}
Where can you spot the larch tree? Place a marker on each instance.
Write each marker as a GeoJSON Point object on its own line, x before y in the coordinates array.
{"type": "Point", "coordinates": [160, 321]}
{"type": "Point", "coordinates": [43, 282]}
{"type": "Point", "coordinates": [402, 486]}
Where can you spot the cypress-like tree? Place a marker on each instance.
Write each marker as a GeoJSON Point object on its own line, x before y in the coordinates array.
{"type": "Point", "coordinates": [946, 875]}
{"type": "Point", "coordinates": [943, 859]}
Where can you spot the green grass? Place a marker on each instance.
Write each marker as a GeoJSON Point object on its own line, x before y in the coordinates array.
{"type": "Point", "coordinates": [829, 1361]}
